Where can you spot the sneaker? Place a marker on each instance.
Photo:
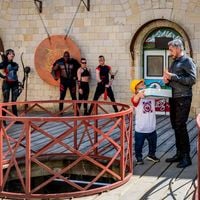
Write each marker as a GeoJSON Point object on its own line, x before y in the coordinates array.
{"type": "Point", "coordinates": [153, 158]}
{"type": "Point", "coordinates": [140, 161]}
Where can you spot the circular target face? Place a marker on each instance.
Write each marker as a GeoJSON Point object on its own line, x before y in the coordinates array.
{"type": "Point", "coordinates": [51, 49]}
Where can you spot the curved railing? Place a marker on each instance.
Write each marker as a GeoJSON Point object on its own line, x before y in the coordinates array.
{"type": "Point", "coordinates": [63, 147]}
{"type": "Point", "coordinates": [198, 168]}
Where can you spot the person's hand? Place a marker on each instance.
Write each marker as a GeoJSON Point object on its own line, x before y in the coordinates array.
{"type": "Point", "coordinates": [136, 97]}
{"type": "Point", "coordinates": [141, 94]}
{"type": "Point", "coordinates": [167, 75]}
{"type": "Point", "coordinates": [80, 91]}
{"type": "Point", "coordinates": [2, 76]}
{"type": "Point", "coordinates": [165, 80]}
{"type": "Point", "coordinates": [107, 85]}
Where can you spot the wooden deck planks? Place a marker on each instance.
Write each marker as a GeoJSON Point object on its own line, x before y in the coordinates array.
{"type": "Point", "coordinates": [158, 178]}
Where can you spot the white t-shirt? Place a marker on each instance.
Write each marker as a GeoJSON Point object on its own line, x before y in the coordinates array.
{"type": "Point", "coordinates": [145, 116]}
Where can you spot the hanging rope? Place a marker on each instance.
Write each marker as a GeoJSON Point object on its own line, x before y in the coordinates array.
{"type": "Point", "coordinates": [38, 10]}
{"type": "Point", "coordinates": [72, 20]}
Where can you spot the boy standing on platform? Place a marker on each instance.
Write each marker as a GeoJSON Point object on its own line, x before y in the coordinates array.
{"type": "Point", "coordinates": [145, 122]}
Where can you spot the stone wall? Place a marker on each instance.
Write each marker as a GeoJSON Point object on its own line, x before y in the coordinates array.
{"type": "Point", "coordinates": [107, 29]}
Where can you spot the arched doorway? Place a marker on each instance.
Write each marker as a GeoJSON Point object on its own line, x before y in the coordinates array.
{"type": "Point", "coordinates": [136, 46]}
{"type": "Point", "coordinates": [156, 54]}
{"type": "Point", "coordinates": [150, 54]}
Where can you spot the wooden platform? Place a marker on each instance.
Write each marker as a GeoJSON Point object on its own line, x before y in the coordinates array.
{"type": "Point", "coordinates": [162, 180]}
{"type": "Point", "coordinates": [156, 181]}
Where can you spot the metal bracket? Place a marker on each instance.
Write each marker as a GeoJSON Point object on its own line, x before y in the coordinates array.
{"type": "Point", "coordinates": [87, 5]}
{"type": "Point", "coordinates": [38, 4]}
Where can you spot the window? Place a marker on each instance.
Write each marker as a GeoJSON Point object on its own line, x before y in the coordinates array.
{"type": "Point", "coordinates": [155, 65]}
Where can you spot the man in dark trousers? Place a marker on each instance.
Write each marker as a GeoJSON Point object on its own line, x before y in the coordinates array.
{"type": "Point", "coordinates": [103, 72]}
{"type": "Point", "coordinates": [67, 68]}
{"type": "Point", "coordinates": [181, 77]}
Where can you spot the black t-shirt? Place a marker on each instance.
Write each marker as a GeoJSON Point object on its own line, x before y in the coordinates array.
{"type": "Point", "coordinates": [104, 73]}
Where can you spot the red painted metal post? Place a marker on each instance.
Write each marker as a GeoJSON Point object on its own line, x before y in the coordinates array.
{"type": "Point", "coordinates": [75, 125]}
{"type": "Point", "coordinates": [1, 156]}
{"type": "Point", "coordinates": [131, 142]}
{"type": "Point", "coordinates": [1, 151]}
{"type": "Point", "coordinates": [95, 133]}
{"type": "Point", "coordinates": [28, 157]}
{"type": "Point", "coordinates": [198, 160]}
{"type": "Point", "coordinates": [122, 140]}
{"type": "Point", "coordinates": [198, 175]}
{"type": "Point", "coordinates": [118, 124]}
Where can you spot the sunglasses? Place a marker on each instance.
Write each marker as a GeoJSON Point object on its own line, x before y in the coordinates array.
{"type": "Point", "coordinates": [83, 62]}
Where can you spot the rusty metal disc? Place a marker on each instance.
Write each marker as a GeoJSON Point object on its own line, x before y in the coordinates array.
{"type": "Point", "coordinates": [51, 49]}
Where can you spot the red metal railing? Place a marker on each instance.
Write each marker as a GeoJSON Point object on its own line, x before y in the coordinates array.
{"type": "Point", "coordinates": [102, 141]}
{"type": "Point", "coordinates": [198, 169]}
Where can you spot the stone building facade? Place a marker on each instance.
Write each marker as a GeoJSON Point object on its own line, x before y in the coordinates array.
{"type": "Point", "coordinates": [116, 29]}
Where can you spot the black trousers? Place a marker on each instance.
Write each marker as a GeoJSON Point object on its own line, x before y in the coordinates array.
{"type": "Point", "coordinates": [179, 112]}
{"type": "Point", "coordinates": [64, 84]}
{"type": "Point", "coordinates": [7, 88]}
{"type": "Point", "coordinates": [85, 87]}
{"type": "Point", "coordinates": [99, 91]}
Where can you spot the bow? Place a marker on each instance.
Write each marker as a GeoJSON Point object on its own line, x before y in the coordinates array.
{"type": "Point", "coordinates": [2, 50]}
{"type": "Point", "coordinates": [21, 84]}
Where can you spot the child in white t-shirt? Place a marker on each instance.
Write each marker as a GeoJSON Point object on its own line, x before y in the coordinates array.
{"type": "Point", "coordinates": [145, 122]}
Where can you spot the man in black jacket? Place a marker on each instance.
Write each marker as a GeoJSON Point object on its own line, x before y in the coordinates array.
{"type": "Point", "coordinates": [66, 67]}
{"type": "Point", "coordinates": [181, 77]}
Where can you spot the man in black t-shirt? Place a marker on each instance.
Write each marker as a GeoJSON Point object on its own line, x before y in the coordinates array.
{"type": "Point", "coordinates": [102, 76]}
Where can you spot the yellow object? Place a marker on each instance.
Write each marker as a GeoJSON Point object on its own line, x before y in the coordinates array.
{"type": "Point", "coordinates": [134, 83]}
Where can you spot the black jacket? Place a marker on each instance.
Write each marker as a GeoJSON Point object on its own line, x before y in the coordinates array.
{"type": "Point", "coordinates": [10, 69]}
{"type": "Point", "coordinates": [72, 73]}
{"type": "Point", "coordinates": [184, 76]}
